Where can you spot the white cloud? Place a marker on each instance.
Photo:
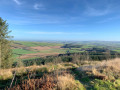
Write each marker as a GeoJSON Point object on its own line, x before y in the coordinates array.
{"type": "Point", "coordinates": [17, 2]}
{"type": "Point", "coordinates": [57, 33]}
{"type": "Point", "coordinates": [38, 6]}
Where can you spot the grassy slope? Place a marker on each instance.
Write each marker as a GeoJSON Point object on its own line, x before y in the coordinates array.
{"type": "Point", "coordinates": [80, 76]}
{"type": "Point", "coordinates": [66, 72]}
{"type": "Point", "coordinates": [101, 76]}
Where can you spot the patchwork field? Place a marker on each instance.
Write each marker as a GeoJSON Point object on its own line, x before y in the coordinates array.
{"type": "Point", "coordinates": [25, 50]}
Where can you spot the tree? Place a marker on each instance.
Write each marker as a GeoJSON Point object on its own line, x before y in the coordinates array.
{"type": "Point", "coordinates": [5, 48]}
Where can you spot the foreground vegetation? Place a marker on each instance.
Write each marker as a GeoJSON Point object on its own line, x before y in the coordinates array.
{"type": "Point", "coordinates": [90, 75]}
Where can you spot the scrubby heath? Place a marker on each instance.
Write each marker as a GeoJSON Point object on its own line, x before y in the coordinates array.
{"type": "Point", "coordinates": [63, 66]}
{"type": "Point", "coordinates": [91, 75]}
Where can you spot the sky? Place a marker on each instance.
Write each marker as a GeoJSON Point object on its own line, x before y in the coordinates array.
{"type": "Point", "coordinates": [76, 20]}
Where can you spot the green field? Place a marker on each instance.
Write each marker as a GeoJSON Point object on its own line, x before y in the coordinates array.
{"type": "Point", "coordinates": [19, 52]}
{"type": "Point", "coordinates": [22, 51]}
{"type": "Point", "coordinates": [33, 44]}
{"type": "Point", "coordinates": [24, 47]}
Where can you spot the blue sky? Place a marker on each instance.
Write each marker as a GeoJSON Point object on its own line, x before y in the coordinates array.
{"type": "Point", "coordinates": [62, 19]}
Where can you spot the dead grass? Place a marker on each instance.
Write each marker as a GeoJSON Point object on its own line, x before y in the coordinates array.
{"type": "Point", "coordinates": [67, 82]}
{"type": "Point", "coordinates": [5, 74]}
{"type": "Point", "coordinates": [8, 73]}
{"type": "Point", "coordinates": [56, 78]}
{"type": "Point", "coordinates": [45, 83]}
{"type": "Point", "coordinates": [104, 70]}
{"type": "Point", "coordinates": [50, 82]}
{"type": "Point", "coordinates": [115, 63]}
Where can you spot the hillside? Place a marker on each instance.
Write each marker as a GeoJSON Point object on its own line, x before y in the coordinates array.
{"type": "Point", "coordinates": [61, 66]}
{"type": "Point", "coordinates": [89, 76]}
